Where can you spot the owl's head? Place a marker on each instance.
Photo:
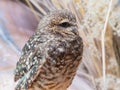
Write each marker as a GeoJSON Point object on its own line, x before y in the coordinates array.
{"type": "Point", "coordinates": [61, 21]}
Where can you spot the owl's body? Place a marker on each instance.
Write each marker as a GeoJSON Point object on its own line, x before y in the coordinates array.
{"type": "Point", "coordinates": [50, 57]}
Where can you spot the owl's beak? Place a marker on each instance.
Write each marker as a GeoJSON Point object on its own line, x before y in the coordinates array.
{"type": "Point", "coordinates": [75, 30]}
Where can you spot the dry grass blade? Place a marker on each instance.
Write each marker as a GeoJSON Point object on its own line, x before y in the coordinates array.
{"type": "Point", "coordinates": [29, 4]}
{"type": "Point", "coordinates": [37, 6]}
{"type": "Point", "coordinates": [103, 46]}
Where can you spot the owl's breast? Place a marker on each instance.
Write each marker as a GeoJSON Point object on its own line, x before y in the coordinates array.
{"type": "Point", "coordinates": [62, 60]}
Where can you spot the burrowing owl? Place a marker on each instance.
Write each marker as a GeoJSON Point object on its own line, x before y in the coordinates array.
{"type": "Point", "coordinates": [51, 56]}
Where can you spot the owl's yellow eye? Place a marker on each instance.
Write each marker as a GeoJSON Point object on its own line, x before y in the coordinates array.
{"type": "Point", "coordinates": [65, 24]}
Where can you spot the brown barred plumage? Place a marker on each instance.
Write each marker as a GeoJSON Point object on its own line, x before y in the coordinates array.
{"type": "Point", "coordinates": [51, 56]}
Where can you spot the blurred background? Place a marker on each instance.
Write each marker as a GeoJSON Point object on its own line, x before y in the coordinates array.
{"type": "Point", "coordinates": [19, 19]}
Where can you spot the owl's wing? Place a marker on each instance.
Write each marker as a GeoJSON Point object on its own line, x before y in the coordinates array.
{"type": "Point", "coordinates": [28, 59]}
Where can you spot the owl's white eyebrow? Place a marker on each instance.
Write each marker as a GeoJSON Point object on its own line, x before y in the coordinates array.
{"type": "Point", "coordinates": [65, 20]}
